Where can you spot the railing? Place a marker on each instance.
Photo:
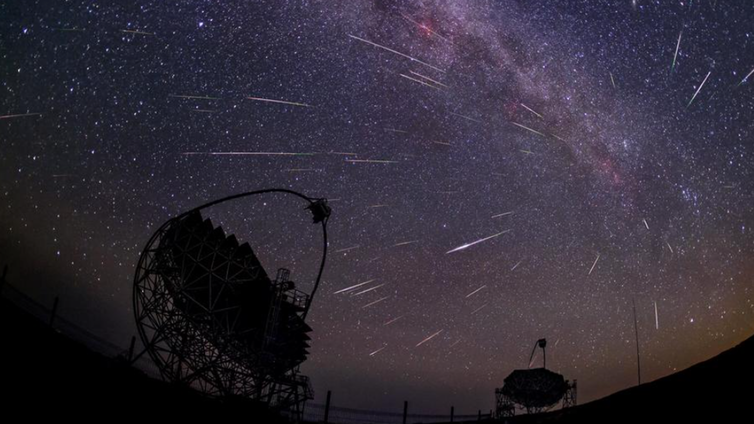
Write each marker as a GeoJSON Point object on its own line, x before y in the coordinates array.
{"type": "Point", "coordinates": [313, 412]}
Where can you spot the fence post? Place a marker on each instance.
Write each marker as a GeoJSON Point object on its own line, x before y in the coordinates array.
{"type": "Point", "coordinates": [452, 413]}
{"type": "Point", "coordinates": [479, 417]}
{"type": "Point", "coordinates": [327, 407]}
{"type": "Point", "coordinates": [131, 349]}
{"type": "Point", "coordinates": [54, 310]}
{"type": "Point", "coordinates": [405, 410]}
{"type": "Point", "coordinates": [2, 280]}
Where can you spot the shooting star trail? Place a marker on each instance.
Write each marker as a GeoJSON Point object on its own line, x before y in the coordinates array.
{"type": "Point", "coordinates": [645, 222]}
{"type": "Point", "coordinates": [371, 161]}
{"type": "Point", "coordinates": [303, 169]}
{"type": "Point", "coordinates": [467, 245]}
{"type": "Point", "coordinates": [19, 115]}
{"type": "Point", "coordinates": [419, 81]}
{"type": "Point", "coordinates": [378, 351]}
{"type": "Point", "coordinates": [62, 175]}
{"type": "Point", "coordinates": [503, 214]}
{"type": "Point", "coordinates": [347, 248]}
{"type": "Point", "coordinates": [282, 102]}
{"type": "Point", "coordinates": [377, 206]}
{"type": "Point", "coordinates": [594, 264]}
{"type": "Point", "coordinates": [559, 138]}
{"type": "Point", "coordinates": [528, 129]}
{"type": "Point", "coordinates": [429, 79]}
{"type": "Point", "coordinates": [395, 52]}
{"type": "Point", "coordinates": [132, 31]}
{"type": "Point", "coordinates": [456, 342]}
{"type": "Point", "coordinates": [429, 338]}
{"type": "Point", "coordinates": [657, 319]}
{"type": "Point", "coordinates": [354, 286]}
{"type": "Point", "coordinates": [467, 118]}
{"type": "Point", "coordinates": [612, 80]}
{"type": "Point", "coordinates": [478, 309]}
{"type": "Point", "coordinates": [669, 247]}
{"type": "Point", "coordinates": [396, 131]}
{"type": "Point", "coordinates": [441, 142]}
{"type": "Point", "coordinates": [699, 89]}
{"type": "Point", "coordinates": [247, 153]}
{"type": "Point", "coordinates": [745, 78]}
{"type": "Point", "coordinates": [532, 111]}
{"type": "Point", "coordinates": [392, 321]}
{"type": "Point", "coordinates": [70, 29]}
{"type": "Point", "coordinates": [675, 56]}
{"type": "Point", "coordinates": [375, 302]}
{"type": "Point", "coordinates": [517, 264]}
{"type": "Point", "coordinates": [203, 110]}
{"type": "Point", "coordinates": [475, 291]}
{"type": "Point", "coordinates": [526, 152]}
{"type": "Point", "coordinates": [367, 290]}
{"type": "Point", "coordinates": [403, 243]}
{"type": "Point", "coordinates": [185, 96]}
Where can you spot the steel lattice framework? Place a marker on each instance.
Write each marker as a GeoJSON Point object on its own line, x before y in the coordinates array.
{"type": "Point", "coordinates": [210, 317]}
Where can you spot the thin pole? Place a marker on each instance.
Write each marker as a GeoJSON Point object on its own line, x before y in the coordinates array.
{"type": "Point", "coordinates": [638, 357]}
{"type": "Point", "coordinates": [405, 410]}
{"type": "Point", "coordinates": [452, 413]}
{"type": "Point", "coordinates": [327, 406]}
{"type": "Point", "coordinates": [2, 280]}
{"type": "Point", "coordinates": [54, 311]}
{"type": "Point", "coordinates": [131, 349]}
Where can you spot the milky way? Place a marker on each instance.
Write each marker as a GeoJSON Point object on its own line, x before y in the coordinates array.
{"type": "Point", "coordinates": [499, 172]}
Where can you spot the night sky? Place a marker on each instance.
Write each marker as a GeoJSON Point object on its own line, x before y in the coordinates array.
{"type": "Point", "coordinates": [603, 152]}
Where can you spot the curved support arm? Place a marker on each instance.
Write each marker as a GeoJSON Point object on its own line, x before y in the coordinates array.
{"type": "Point", "coordinates": [318, 207]}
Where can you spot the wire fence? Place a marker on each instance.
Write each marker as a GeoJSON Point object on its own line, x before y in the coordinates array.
{"type": "Point", "coordinates": [73, 331]}
{"type": "Point", "coordinates": [313, 412]}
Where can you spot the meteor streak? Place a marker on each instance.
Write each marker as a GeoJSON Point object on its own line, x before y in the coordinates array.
{"type": "Point", "coordinates": [745, 78]}
{"type": "Point", "coordinates": [612, 80]}
{"type": "Point", "coordinates": [645, 222]}
{"type": "Point", "coordinates": [429, 338]}
{"type": "Point", "coordinates": [467, 245]}
{"type": "Point", "coordinates": [699, 89]}
{"type": "Point", "coordinates": [517, 264]}
{"type": "Point", "coordinates": [131, 31]}
{"type": "Point", "coordinates": [395, 52]}
{"type": "Point", "coordinates": [183, 96]}
{"type": "Point", "coordinates": [405, 243]}
{"type": "Point", "coordinates": [532, 111]}
{"type": "Point", "coordinates": [669, 247]}
{"type": "Point", "coordinates": [368, 290]}
{"type": "Point", "coordinates": [419, 81]}
{"type": "Point", "coordinates": [475, 291]}
{"type": "Point", "coordinates": [428, 79]}
{"type": "Point", "coordinates": [675, 56]}
{"type": "Point", "coordinates": [467, 118]}
{"type": "Point", "coordinates": [392, 321]}
{"type": "Point", "coordinates": [594, 264]}
{"type": "Point", "coordinates": [354, 286]}
{"type": "Point", "coordinates": [503, 214]}
{"type": "Point", "coordinates": [377, 351]}
{"type": "Point", "coordinates": [283, 102]}
{"type": "Point", "coordinates": [19, 115]}
{"type": "Point", "coordinates": [370, 161]}
{"type": "Point", "coordinates": [478, 309]}
{"type": "Point", "coordinates": [375, 302]}
{"type": "Point", "coordinates": [248, 153]}
{"type": "Point", "coordinates": [347, 249]}
{"type": "Point", "coordinates": [657, 319]}
{"type": "Point", "coordinates": [528, 129]}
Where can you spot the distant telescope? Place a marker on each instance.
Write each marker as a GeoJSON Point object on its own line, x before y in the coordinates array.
{"type": "Point", "coordinates": [210, 317]}
{"type": "Point", "coordinates": [534, 390]}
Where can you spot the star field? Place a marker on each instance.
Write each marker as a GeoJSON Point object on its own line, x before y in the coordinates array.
{"type": "Point", "coordinates": [502, 171]}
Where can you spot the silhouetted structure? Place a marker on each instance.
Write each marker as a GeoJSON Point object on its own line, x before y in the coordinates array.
{"type": "Point", "coordinates": [211, 318]}
{"type": "Point", "coordinates": [535, 390]}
